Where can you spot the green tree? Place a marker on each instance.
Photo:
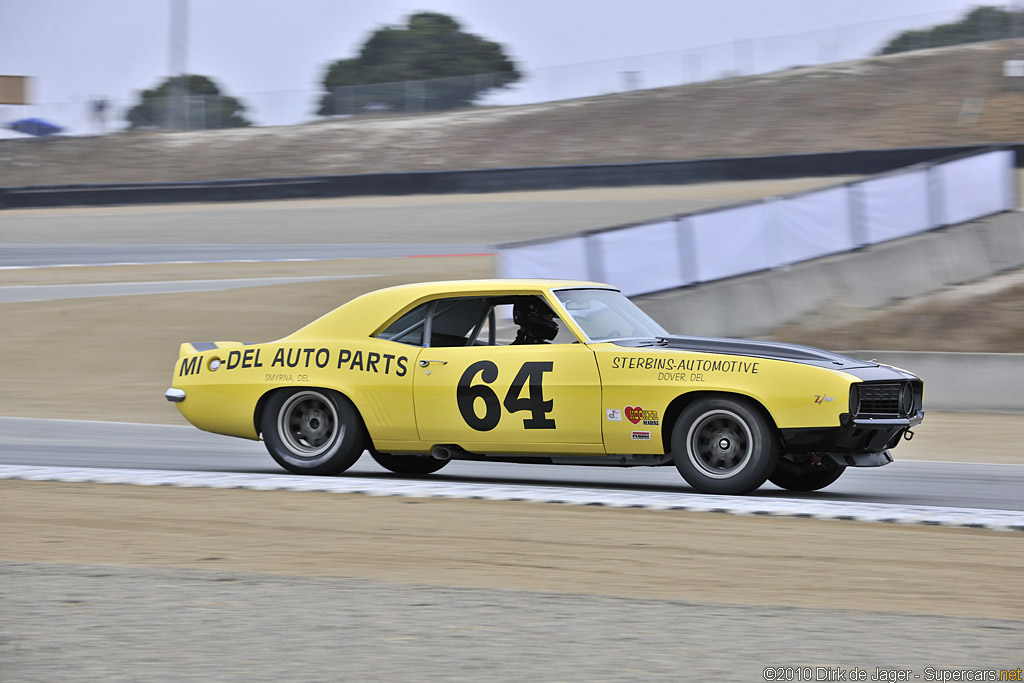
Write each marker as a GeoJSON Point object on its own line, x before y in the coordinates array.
{"type": "Point", "coordinates": [981, 23]}
{"type": "Point", "coordinates": [188, 102]}
{"type": "Point", "coordinates": [429, 64]}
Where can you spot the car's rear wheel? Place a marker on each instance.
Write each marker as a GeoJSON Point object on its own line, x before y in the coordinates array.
{"type": "Point", "coordinates": [312, 431]}
{"type": "Point", "coordinates": [723, 445]}
{"type": "Point", "coordinates": [803, 477]}
{"type": "Point", "coordinates": [409, 464]}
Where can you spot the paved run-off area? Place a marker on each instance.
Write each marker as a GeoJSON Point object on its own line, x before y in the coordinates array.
{"type": "Point", "coordinates": [127, 583]}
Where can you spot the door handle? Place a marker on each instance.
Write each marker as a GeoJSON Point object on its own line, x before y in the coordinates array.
{"type": "Point", "coordinates": [425, 363]}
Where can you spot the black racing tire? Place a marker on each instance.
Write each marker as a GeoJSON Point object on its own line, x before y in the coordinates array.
{"type": "Point", "coordinates": [408, 464]}
{"type": "Point", "coordinates": [803, 477]}
{"type": "Point", "coordinates": [724, 446]}
{"type": "Point", "coordinates": [312, 431]}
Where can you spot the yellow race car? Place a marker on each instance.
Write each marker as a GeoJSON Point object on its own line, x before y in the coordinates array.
{"type": "Point", "coordinates": [544, 371]}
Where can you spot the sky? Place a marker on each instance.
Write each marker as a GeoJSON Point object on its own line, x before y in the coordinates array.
{"type": "Point", "coordinates": [273, 53]}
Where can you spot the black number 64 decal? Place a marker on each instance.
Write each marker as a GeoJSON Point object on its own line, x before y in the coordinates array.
{"type": "Point", "coordinates": [532, 374]}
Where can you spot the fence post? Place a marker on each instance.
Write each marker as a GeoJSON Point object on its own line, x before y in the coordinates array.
{"type": "Point", "coordinates": [775, 230]}
{"type": "Point", "coordinates": [691, 65]}
{"type": "Point", "coordinates": [742, 51]}
{"type": "Point", "coordinates": [414, 96]}
{"type": "Point", "coordinates": [936, 205]}
{"type": "Point", "coordinates": [858, 216]}
{"type": "Point", "coordinates": [688, 261]}
{"type": "Point", "coordinates": [595, 269]}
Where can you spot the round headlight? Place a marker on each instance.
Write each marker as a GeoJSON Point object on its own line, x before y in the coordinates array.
{"type": "Point", "coordinates": [854, 399]}
{"type": "Point", "coordinates": [214, 363]}
{"type": "Point", "coordinates": [907, 399]}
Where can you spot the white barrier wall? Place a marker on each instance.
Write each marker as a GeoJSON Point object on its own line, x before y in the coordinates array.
{"type": "Point", "coordinates": [894, 206]}
{"type": "Point", "coordinates": [567, 256]}
{"type": "Point", "coordinates": [815, 224]}
{"type": "Point", "coordinates": [731, 241]}
{"type": "Point", "coordinates": [617, 254]}
{"type": "Point", "coordinates": [975, 186]}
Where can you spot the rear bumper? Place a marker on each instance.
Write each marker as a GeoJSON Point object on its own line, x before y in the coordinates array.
{"type": "Point", "coordinates": [175, 395]}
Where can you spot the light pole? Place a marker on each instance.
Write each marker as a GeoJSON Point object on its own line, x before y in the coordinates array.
{"type": "Point", "coordinates": [178, 41]}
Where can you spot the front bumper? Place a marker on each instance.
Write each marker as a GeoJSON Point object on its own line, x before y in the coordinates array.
{"type": "Point", "coordinates": [854, 437]}
{"type": "Point", "coordinates": [860, 459]}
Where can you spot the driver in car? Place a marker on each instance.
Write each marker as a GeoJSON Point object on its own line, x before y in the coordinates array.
{"type": "Point", "coordinates": [536, 322]}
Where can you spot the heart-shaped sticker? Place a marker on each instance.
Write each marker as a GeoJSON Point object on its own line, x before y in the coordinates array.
{"type": "Point", "coordinates": [634, 414]}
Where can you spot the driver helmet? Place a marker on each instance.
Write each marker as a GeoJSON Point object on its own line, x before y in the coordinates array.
{"type": "Point", "coordinates": [535, 319]}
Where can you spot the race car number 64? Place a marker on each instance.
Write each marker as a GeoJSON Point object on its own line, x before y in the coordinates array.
{"type": "Point", "coordinates": [531, 373]}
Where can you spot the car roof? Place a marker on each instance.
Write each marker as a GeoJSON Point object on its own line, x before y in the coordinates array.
{"type": "Point", "coordinates": [363, 315]}
{"type": "Point", "coordinates": [488, 285]}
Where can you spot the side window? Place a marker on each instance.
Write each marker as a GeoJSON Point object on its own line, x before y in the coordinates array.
{"type": "Point", "coordinates": [458, 322]}
{"type": "Point", "coordinates": [529, 320]}
{"type": "Point", "coordinates": [408, 329]}
{"type": "Point", "coordinates": [480, 321]}
{"type": "Point", "coordinates": [504, 328]}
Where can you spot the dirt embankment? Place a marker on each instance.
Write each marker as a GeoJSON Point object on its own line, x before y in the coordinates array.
{"type": "Point", "coordinates": [982, 317]}
{"type": "Point", "coordinates": [929, 97]}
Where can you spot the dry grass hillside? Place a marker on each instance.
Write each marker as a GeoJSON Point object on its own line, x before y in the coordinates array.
{"type": "Point", "coordinates": [909, 99]}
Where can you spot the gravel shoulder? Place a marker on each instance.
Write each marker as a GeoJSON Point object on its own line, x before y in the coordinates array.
{"type": "Point", "coordinates": [644, 554]}
{"type": "Point", "coordinates": [130, 624]}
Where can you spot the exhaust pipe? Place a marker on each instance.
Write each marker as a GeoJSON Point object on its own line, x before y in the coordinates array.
{"type": "Point", "coordinates": [441, 452]}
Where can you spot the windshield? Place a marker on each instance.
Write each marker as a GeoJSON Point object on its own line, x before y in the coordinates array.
{"type": "Point", "coordinates": [604, 314]}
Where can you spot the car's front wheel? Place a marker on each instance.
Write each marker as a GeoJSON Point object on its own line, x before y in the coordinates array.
{"type": "Point", "coordinates": [312, 431]}
{"type": "Point", "coordinates": [723, 445]}
{"type": "Point", "coordinates": [409, 464]}
{"type": "Point", "coordinates": [803, 477]}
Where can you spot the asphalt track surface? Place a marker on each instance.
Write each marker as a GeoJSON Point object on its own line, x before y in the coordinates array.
{"type": "Point", "coordinates": [69, 443]}
{"type": "Point", "coordinates": [309, 230]}
{"type": "Point", "coordinates": [22, 293]}
{"type": "Point", "coordinates": [40, 255]}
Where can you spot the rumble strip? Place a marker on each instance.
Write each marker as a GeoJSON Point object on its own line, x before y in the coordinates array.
{"type": "Point", "coordinates": [999, 520]}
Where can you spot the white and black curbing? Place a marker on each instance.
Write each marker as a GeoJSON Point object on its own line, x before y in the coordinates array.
{"type": "Point", "coordinates": [999, 520]}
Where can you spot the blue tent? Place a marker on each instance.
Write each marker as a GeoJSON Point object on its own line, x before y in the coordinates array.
{"type": "Point", "coordinates": [34, 126]}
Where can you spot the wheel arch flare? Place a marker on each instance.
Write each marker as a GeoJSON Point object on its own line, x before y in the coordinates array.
{"type": "Point", "coordinates": [680, 403]}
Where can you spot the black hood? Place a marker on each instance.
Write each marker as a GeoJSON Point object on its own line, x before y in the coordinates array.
{"type": "Point", "coordinates": [867, 371]}
{"type": "Point", "coordinates": [795, 353]}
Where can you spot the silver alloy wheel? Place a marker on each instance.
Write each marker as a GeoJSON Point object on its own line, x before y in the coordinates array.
{"type": "Point", "coordinates": [719, 444]}
{"type": "Point", "coordinates": [309, 427]}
